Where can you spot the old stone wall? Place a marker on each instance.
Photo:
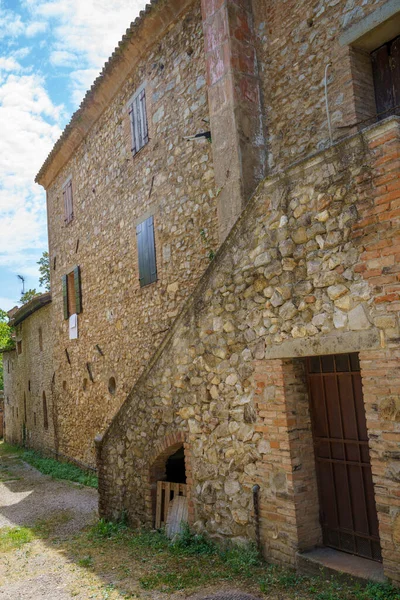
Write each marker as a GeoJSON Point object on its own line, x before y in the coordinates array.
{"type": "Point", "coordinates": [296, 40]}
{"type": "Point", "coordinates": [1, 413]}
{"type": "Point", "coordinates": [28, 380]}
{"type": "Point", "coordinates": [310, 269]}
{"type": "Point", "coordinates": [171, 178]}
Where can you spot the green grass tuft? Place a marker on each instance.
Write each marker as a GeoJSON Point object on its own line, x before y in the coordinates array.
{"type": "Point", "coordinates": [14, 537]}
{"type": "Point", "coordinates": [58, 470]}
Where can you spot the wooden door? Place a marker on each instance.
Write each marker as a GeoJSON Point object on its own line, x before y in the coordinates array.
{"type": "Point", "coordinates": [386, 72]}
{"type": "Point", "coordinates": [346, 493]}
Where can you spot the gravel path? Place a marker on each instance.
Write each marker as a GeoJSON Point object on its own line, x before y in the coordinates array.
{"type": "Point", "coordinates": [40, 569]}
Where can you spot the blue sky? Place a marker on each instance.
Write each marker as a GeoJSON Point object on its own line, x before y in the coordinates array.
{"type": "Point", "coordinates": [50, 53]}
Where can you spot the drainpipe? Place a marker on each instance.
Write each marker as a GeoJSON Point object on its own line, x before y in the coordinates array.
{"type": "Point", "coordinates": [256, 505]}
{"type": "Point", "coordinates": [327, 103]}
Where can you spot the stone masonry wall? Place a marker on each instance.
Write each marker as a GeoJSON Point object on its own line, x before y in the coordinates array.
{"type": "Point", "coordinates": [26, 377]}
{"type": "Point", "coordinates": [295, 278]}
{"type": "Point", "coordinates": [296, 40]}
{"type": "Point", "coordinates": [170, 178]}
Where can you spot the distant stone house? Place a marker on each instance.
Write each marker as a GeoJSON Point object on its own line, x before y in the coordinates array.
{"type": "Point", "coordinates": [262, 385]}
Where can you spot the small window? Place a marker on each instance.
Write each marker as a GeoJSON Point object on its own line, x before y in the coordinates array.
{"type": "Point", "coordinates": [146, 252]}
{"type": "Point", "coordinates": [24, 407]}
{"type": "Point", "coordinates": [138, 121]}
{"type": "Point", "coordinates": [40, 339]}
{"type": "Point", "coordinates": [72, 293]}
{"type": "Point", "coordinates": [386, 72]}
{"type": "Point", "coordinates": [19, 347]}
{"type": "Point", "coordinates": [68, 203]}
{"type": "Point", "coordinates": [45, 415]}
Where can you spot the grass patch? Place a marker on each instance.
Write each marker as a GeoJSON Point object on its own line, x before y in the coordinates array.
{"type": "Point", "coordinates": [12, 538]}
{"type": "Point", "coordinates": [194, 561]}
{"type": "Point", "coordinates": [50, 466]}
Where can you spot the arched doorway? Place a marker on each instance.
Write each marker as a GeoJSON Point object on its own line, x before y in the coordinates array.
{"type": "Point", "coordinates": [169, 489]}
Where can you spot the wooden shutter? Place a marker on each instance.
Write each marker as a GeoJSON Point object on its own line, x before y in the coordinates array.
{"type": "Point", "coordinates": [151, 249]}
{"type": "Point", "coordinates": [78, 289]}
{"type": "Point", "coordinates": [138, 119]}
{"type": "Point", "coordinates": [133, 136]}
{"type": "Point", "coordinates": [142, 101]}
{"type": "Point", "coordinates": [146, 252]}
{"type": "Point", "coordinates": [65, 295]}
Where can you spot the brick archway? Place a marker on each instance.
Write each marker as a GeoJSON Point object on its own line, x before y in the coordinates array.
{"type": "Point", "coordinates": [157, 470]}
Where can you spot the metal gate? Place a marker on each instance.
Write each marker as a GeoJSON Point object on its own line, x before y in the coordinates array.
{"type": "Point", "coordinates": [346, 493]}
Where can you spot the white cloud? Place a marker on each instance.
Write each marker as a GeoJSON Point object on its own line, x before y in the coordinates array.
{"type": "Point", "coordinates": [84, 34]}
{"type": "Point", "coordinates": [80, 36]}
{"type": "Point", "coordinates": [29, 127]}
{"type": "Point", "coordinates": [9, 64]}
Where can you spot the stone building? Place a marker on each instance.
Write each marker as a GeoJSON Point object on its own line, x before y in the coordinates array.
{"type": "Point", "coordinates": [272, 372]}
{"type": "Point", "coordinates": [28, 378]}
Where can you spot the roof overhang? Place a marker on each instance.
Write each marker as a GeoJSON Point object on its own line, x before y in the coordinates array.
{"type": "Point", "coordinates": [150, 26]}
{"type": "Point", "coordinates": [29, 308]}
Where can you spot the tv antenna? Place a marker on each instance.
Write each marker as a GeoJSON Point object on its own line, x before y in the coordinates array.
{"type": "Point", "coordinates": [23, 283]}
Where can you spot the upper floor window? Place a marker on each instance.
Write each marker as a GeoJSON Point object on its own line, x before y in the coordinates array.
{"type": "Point", "coordinates": [386, 72]}
{"type": "Point", "coordinates": [68, 203]}
{"type": "Point", "coordinates": [138, 120]}
{"type": "Point", "coordinates": [72, 293]}
{"type": "Point", "coordinates": [146, 252]}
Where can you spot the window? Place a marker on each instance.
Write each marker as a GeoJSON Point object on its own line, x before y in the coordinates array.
{"type": "Point", "coordinates": [40, 339]}
{"type": "Point", "coordinates": [72, 293]}
{"type": "Point", "coordinates": [68, 205]}
{"type": "Point", "coordinates": [146, 252]}
{"type": "Point", "coordinates": [45, 415]}
{"type": "Point", "coordinates": [19, 347]}
{"type": "Point", "coordinates": [386, 72]}
{"type": "Point", "coordinates": [138, 120]}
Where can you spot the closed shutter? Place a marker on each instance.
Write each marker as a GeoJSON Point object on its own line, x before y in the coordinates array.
{"type": "Point", "coordinates": [78, 289]}
{"type": "Point", "coordinates": [146, 252]}
{"type": "Point", "coordinates": [65, 295]}
{"type": "Point", "coordinates": [138, 119]}
{"type": "Point", "coordinates": [68, 203]}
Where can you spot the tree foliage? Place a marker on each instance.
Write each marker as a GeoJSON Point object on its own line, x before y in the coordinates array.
{"type": "Point", "coordinates": [44, 270]}
{"type": "Point", "coordinates": [6, 341]}
{"type": "Point", "coordinates": [28, 295]}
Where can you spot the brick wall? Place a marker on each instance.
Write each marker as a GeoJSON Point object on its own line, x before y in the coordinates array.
{"type": "Point", "coordinates": [288, 282]}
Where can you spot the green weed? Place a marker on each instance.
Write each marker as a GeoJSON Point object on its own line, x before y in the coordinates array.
{"type": "Point", "coordinates": [59, 470]}
{"type": "Point", "coordinates": [106, 530]}
{"type": "Point", "coordinates": [14, 537]}
{"type": "Point", "coordinates": [86, 562]}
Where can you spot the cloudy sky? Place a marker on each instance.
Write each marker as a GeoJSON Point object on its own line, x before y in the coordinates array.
{"type": "Point", "coordinates": [50, 53]}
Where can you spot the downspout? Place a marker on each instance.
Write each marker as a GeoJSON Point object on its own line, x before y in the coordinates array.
{"type": "Point", "coordinates": [327, 103]}
{"type": "Point", "coordinates": [256, 505]}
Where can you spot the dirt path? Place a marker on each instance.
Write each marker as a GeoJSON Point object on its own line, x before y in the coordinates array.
{"type": "Point", "coordinates": [56, 511]}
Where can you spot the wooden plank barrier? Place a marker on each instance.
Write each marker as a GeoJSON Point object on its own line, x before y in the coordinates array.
{"type": "Point", "coordinates": [166, 492]}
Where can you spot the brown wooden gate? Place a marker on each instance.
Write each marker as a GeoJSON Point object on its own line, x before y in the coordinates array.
{"type": "Point", "coordinates": [346, 493]}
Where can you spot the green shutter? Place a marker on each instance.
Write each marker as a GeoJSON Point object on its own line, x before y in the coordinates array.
{"type": "Point", "coordinates": [146, 252]}
{"type": "Point", "coordinates": [152, 249]}
{"type": "Point", "coordinates": [65, 296]}
{"type": "Point", "coordinates": [78, 289]}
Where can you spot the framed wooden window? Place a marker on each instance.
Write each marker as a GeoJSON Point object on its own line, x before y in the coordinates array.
{"type": "Point", "coordinates": [72, 292]}
{"type": "Point", "coordinates": [68, 201]}
{"type": "Point", "coordinates": [138, 120]}
{"type": "Point", "coordinates": [386, 72]}
{"type": "Point", "coordinates": [146, 252]}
